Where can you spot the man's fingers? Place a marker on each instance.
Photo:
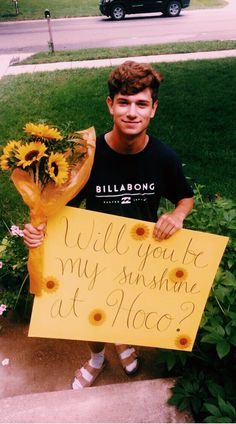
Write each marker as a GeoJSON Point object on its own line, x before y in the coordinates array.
{"type": "Point", "coordinates": [33, 237]}
{"type": "Point", "coordinates": [166, 226]}
{"type": "Point", "coordinates": [41, 227]}
{"type": "Point", "coordinates": [163, 234]}
{"type": "Point", "coordinates": [29, 228]}
{"type": "Point", "coordinates": [33, 243]}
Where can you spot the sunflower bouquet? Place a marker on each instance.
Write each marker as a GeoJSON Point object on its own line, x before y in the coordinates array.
{"type": "Point", "coordinates": [48, 169]}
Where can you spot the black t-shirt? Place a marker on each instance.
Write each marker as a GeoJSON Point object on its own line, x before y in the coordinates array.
{"type": "Point", "coordinates": [132, 185]}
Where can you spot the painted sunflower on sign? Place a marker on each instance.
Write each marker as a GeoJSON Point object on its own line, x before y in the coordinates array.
{"type": "Point", "coordinates": [178, 274]}
{"type": "Point", "coordinates": [140, 231]}
{"type": "Point", "coordinates": [183, 341]}
{"type": "Point", "coordinates": [50, 284]}
{"type": "Point", "coordinates": [97, 317]}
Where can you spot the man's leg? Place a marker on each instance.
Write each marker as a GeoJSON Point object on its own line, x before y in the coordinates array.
{"type": "Point", "coordinates": [85, 376]}
{"type": "Point", "coordinates": [127, 356]}
{"type": "Point", "coordinates": [97, 354]}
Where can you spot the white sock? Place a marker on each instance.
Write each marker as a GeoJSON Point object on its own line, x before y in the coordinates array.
{"type": "Point", "coordinates": [97, 359]}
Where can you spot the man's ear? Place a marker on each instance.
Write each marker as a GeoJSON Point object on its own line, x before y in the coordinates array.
{"type": "Point", "coordinates": [110, 104]}
{"type": "Point", "coordinates": [154, 108]}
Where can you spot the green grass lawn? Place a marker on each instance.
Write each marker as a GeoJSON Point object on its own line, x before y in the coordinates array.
{"type": "Point", "coordinates": [34, 9]}
{"type": "Point", "coordinates": [145, 50]}
{"type": "Point", "coordinates": [196, 115]}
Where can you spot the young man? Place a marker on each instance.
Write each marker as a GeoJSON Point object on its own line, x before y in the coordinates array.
{"type": "Point", "coordinates": [131, 172]}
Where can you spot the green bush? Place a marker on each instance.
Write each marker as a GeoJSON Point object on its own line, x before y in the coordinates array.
{"type": "Point", "coordinates": [14, 275]}
{"type": "Point", "coordinates": [207, 386]}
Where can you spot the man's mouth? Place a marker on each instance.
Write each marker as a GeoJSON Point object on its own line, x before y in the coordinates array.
{"type": "Point", "coordinates": [131, 122]}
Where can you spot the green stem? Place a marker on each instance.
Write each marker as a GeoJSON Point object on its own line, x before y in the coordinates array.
{"type": "Point", "coordinates": [218, 302]}
{"type": "Point", "coordinates": [21, 287]}
{"type": "Point", "coordinates": [199, 196]}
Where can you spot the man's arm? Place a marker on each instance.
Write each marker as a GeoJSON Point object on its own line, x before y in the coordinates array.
{"type": "Point", "coordinates": [171, 222]}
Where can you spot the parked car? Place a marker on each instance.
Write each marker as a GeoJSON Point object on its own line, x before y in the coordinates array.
{"type": "Point", "coordinates": [117, 9]}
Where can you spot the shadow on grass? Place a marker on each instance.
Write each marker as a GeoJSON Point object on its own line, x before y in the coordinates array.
{"type": "Point", "coordinates": [8, 15]}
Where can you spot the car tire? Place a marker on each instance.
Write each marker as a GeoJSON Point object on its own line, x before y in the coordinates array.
{"type": "Point", "coordinates": [117, 12]}
{"type": "Point", "coordinates": [173, 9]}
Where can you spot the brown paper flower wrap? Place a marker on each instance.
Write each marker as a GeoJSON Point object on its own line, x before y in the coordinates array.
{"type": "Point", "coordinates": [47, 189]}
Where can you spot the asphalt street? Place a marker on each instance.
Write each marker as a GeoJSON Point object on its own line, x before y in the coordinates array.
{"type": "Point", "coordinates": [94, 32]}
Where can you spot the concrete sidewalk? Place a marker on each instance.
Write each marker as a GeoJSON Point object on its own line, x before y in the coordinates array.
{"type": "Point", "coordinates": [35, 386]}
{"type": "Point", "coordinates": [6, 61]}
{"type": "Point", "coordinates": [137, 402]}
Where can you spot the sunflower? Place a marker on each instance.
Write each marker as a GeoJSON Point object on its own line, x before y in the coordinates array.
{"type": "Point", "coordinates": [97, 317]}
{"type": "Point", "coordinates": [7, 160]}
{"type": "Point", "coordinates": [29, 153]}
{"type": "Point", "coordinates": [58, 168]}
{"type": "Point", "coordinates": [183, 341]}
{"type": "Point", "coordinates": [42, 131]}
{"type": "Point", "coordinates": [50, 284]}
{"type": "Point", "coordinates": [4, 163]}
{"type": "Point", "coordinates": [140, 231]}
{"type": "Point", "coordinates": [11, 146]}
{"type": "Point", "coordinates": [178, 275]}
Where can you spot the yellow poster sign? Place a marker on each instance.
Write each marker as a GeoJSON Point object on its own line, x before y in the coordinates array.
{"type": "Point", "coordinates": [107, 279]}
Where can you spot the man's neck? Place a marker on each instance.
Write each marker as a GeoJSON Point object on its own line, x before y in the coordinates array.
{"type": "Point", "coordinates": [127, 145]}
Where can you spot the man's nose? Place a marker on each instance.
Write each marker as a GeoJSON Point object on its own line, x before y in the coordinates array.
{"type": "Point", "coordinates": [132, 109]}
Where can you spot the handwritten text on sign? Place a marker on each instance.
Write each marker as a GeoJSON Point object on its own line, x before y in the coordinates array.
{"type": "Point", "coordinates": [107, 279]}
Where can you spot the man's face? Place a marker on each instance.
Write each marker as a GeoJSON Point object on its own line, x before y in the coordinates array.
{"type": "Point", "coordinates": [132, 113]}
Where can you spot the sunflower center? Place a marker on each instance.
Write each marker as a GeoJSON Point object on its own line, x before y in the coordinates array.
{"type": "Point", "coordinates": [140, 231]}
{"type": "Point", "coordinates": [179, 273]}
{"type": "Point", "coordinates": [31, 155]}
{"type": "Point", "coordinates": [97, 316]}
{"type": "Point", "coordinates": [50, 284]}
{"type": "Point", "coordinates": [55, 168]}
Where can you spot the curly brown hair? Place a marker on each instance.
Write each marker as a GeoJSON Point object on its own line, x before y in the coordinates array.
{"type": "Point", "coordinates": [132, 77]}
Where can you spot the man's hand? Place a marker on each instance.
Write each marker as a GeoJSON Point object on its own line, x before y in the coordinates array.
{"type": "Point", "coordinates": [33, 237]}
{"type": "Point", "coordinates": [169, 223]}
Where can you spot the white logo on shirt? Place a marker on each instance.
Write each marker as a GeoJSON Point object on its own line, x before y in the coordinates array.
{"type": "Point", "coordinates": [125, 194]}
{"type": "Point", "coordinates": [125, 200]}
